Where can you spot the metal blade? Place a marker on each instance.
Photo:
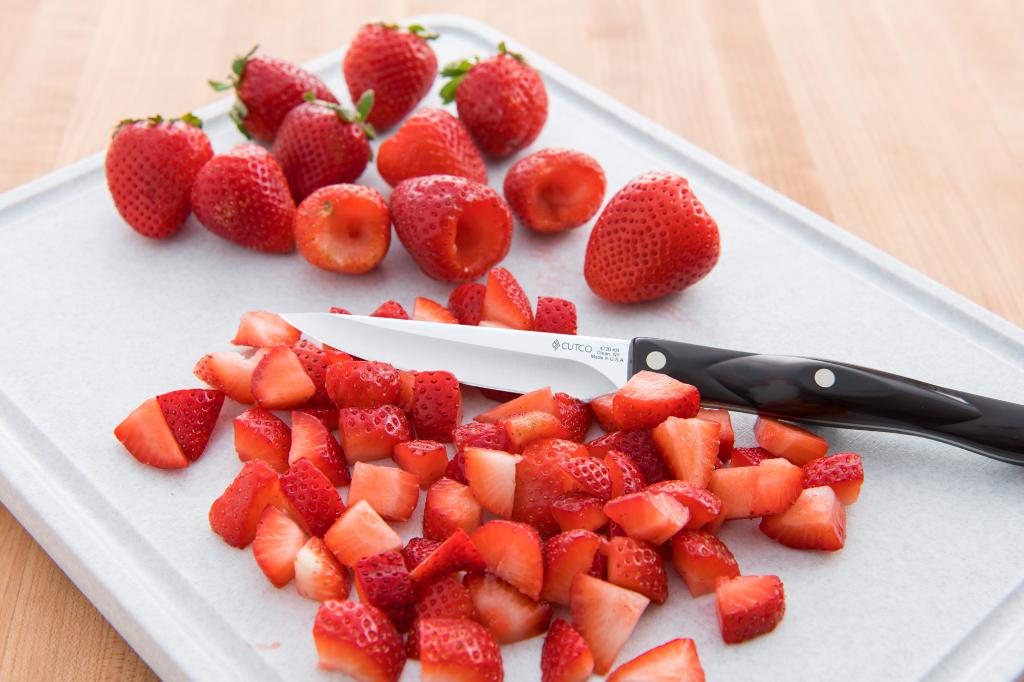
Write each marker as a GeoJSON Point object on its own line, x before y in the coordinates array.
{"type": "Point", "coordinates": [506, 359]}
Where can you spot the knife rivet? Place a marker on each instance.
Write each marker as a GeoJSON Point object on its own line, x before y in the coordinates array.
{"type": "Point", "coordinates": [656, 360]}
{"type": "Point", "coordinates": [824, 377]}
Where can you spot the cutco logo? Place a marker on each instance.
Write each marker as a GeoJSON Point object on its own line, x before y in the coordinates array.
{"type": "Point", "coordinates": [565, 345]}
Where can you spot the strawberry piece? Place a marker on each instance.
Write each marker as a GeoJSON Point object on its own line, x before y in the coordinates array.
{"type": "Point", "coordinates": [335, 310]}
{"type": "Point", "coordinates": [787, 440]}
{"type": "Point", "coordinates": [445, 597]}
{"type": "Point", "coordinates": [277, 543]}
{"type": "Point", "coordinates": [342, 228]}
{"type": "Point", "coordinates": [590, 476]}
{"type": "Point", "coordinates": [360, 532]}
{"type": "Point", "coordinates": [147, 436]}
{"type": "Point", "coordinates": [555, 316]}
{"type": "Point", "coordinates": [312, 440]}
{"type": "Point", "coordinates": [456, 469]}
{"type": "Point", "coordinates": [509, 614]}
{"type": "Point", "coordinates": [466, 302]}
{"type": "Point", "coordinates": [579, 511]}
{"type": "Point", "coordinates": [726, 436]}
{"type": "Point", "coordinates": [624, 474]}
{"type": "Point", "coordinates": [575, 415]}
{"type": "Point", "coordinates": [312, 496]}
{"type": "Point", "coordinates": [817, 520]}
{"type": "Point", "coordinates": [540, 400]}
{"type": "Point", "coordinates": [478, 435]}
{"type": "Point", "coordinates": [318, 575]}
{"type": "Point", "coordinates": [605, 615]}
{"type": "Point", "coordinates": [842, 472]}
{"type": "Point", "coordinates": [555, 189]}
{"type": "Point", "coordinates": [279, 381]}
{"type": "Point", "coordinates": [359, 641]}
{"type": "Point", "coordinates": [540, 480]}
{"type": "Point", "coordinates": [430, 142]}
{"type": "Point", "coordinates": [649, 398]}
{"type": "Point", "coordinates": [261, 328]}
{"type": "Point", "coordinates": [457, 649]}
{"type": "Point", "coordinates": [689, 447]}
{"type": "Point", "coordinates": [391, 492]}
{"type": "Point", "coordinates": [654, 517]}
{"type": "Point", "coordinates": [315, 361]}
{"type": "Point", "coordinates": [701, 559]}
{"type": "Point", "coordinates": [505, 302]}
{"type": "Point", "coordinates": [427, 460]}
{"type": "Point", "coordinates": [512, 551]}
{"type": "Point", "coordinates": [361, 383]}
{"type": "Point", "coordinates": [702, 503]}
{"type": "Point", "coordinates": [523, 429]}
{"type": "Point", "coordinates": [748, 606]}
{"type": "Point", "coordinates": [392, 310]}
{"type": "Point", "coordinates": [636, 566]}
{"type": "Point", "coordinates": [492, 479]}
{"type": "Point", "coordinates": [382, 580]}
{"type": "Point", "coordinates": [565, 656]}
{"type": "Point", "coordinates": [675, 660]}
{"type": "Point", "coordinates": [229, 372]}
{"type": "Point", "coordinates": [417, 550]}
{"type": "Point", "coordinates": [427, 310]}
{"type": "Point", "coordinates": [235, 514]}
{"type": "Point", "coordinates": [601, 406]}
{"type": "Point", "coordinates": [638, 446]}
{"type": "Point", "coordinates": [369, 434]}
{"type": "Point", "coordinates": [450, 506]}
{"type": "Point", "coordinates": [749, 457]}
{"type": "Point", "coordinates": [565, 555]}
{"type": "Point", "coordinates": [454, 228]}
{"type": "Point", "coordinates": [457, 553]}
{"type": "Point", "coordinates": [191, 415]}
{"type": "Point", "coordinates": [769, 488]}
{"type": "Point", "coordinates": [436, 405]}
{"type": "Point", "coordinates": [497, 395]}
{"type": "Point", "coordinates": [406, 390]}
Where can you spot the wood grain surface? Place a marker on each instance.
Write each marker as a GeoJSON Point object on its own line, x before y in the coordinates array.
{"type": "Point", "coordinates": [900, 121]}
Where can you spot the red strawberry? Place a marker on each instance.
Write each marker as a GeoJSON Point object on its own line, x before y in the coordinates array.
{"type": "Point", "coordinates": [605, 615]}
{"type": "Point", "coordinates": [701, 560]}
{"type": "Point", "coordinates": [427, 310]}
{"type": "Point", "coordinates": [501, 100]}
{"type": "Point", "coordinates": [726, 437]}
{"type": "Point", "coordinates": [406, 390]}
{"type": "Point", "coordinates": [565, 555]}
{"type": "Point", "coordinates": [267, 89]}
{"type": "Point", "coordinates": [316, 361]}
{"type": "Point", "coordinates": [338, 311]}
{"type": "Point", "coordinates": [817, 520]}
{"type": "Point", "coordinates": [261, 328]}
{"type": "Point", "coordinates": [649, 398]}
{"type": "Point", "coordinates": [703, 504]}
{"type": "Point", "coordinates": [690, 447]}
{"type": "Point", "coordinates": [480, 435]}
{"type": "Point", "coordinates": [359, 641]}
{"type": "Point", "coordinates": [842, 472]}
{"type": "Point", "coordinates": [436, 405]}
{"type": "Point", "coordinates": [492, 479]}
{"type": "Point", "coordinates": [636, 566]}
{"type": "Point", "coordinates": [528, 427]}
{"type": "Point", "coordinates": [431, 142]}
{"type": "Point", "coordinates": [602, 407]}
{"type": "Point", "coordinates": [260, 434]}
{"type": "Point", "coordinates": [457, 553]}
{"type": "Point", "coordinates": [280, 382]}
{"type": "Point", "coordinates": [512, 552]}
{"type": "Point", "coordinates": [539, 481]}
{"type": "Point", "coordinates": [654, 517]}
{"type": "Point", "coordinates": [450, 506]}
{"type": "Point", "coordinates": [769, 488]}
{"type": "Point", "coordinates": [457, 650]}
{"type": "Point", "coordinates": [360, 532]}
{"type": "Point", "coordinates": [391, 492]}
{"type": "Point", "coordinates": [456, 469]}
{"type": "Point", "coordinates": [555, 189]}
{"type": "Point", "coordinates": [171, 430]}
{"type": "Point", "coordinates": [454, 228]}
{"type": "Point", "coordinates": [369, 434]}
{"type": "Point", "coordinates": [466, 302]}
{"type": "Point", "coordinates": [787, 440]}
{"type": "Point", "coordinates": [749, 457]}
{"type": "Point", "coordinates": [382, 580]}
{"type": "Point", "coordinates": [242, 195]}
{"type": "Point", "coordinates": [509, 614]}
{"type": "Point", "coordinates": [417, 550]}
{"type": "Point", "coordinates": [390, 309]}
{"type": "Point", "coordinates": [748, 606]}
{"type": "Point", "coordinates": [578, 511]}
{"type": "Point", "coordinates": [311, 440]}
{"type": "Point", "coordinates": [235, 514]}
{"type": "Point", "coordinates": [675, 660]}
{"type": "Point", "coordinates": [540, 400]}
{"type": "Point", "coordinates": [575, 415]}
{"type": "Point", "coordinates": [229, 372]}
{"type": "Point", "coordinates": [625, 476]}
{"type": "Point", "coordinates": [277, 543]}
{"type": "Point", "coordinates": [638, 446]}
{"type": "Point", "coordinates": [565, 656]}
{"type": "Point", "coordinates": [445, 597]}
{"type": "Point", "coordinates": [318, 575]}
{"type": "Point", "coordinates": [361, 383]}
{"type": "Point", "coordinates": [150, 167]}
{"type": "Point", "coordinates": [555, 316]}
{"type": "Point", "coordinates": [343, 228]}
{"type": "Point", "coordinates": [424, 459]}
{"type": "Point", "coordinates": [497, 395]}
{"type": "Point", "coordinates": [589, 475]}
{"type": "Point", "coordinates": [311, 495]}
{"type": "Point", "coordinates": [396, 64]}
{"type": "Point", "coordinates": [505, 302]}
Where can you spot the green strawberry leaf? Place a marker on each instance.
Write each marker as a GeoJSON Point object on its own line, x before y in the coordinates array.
{"type": "Point", "coordinates": [365, 104]}
{"type": "Point", "coordinates": [192, 120]}
{"type": "Point", "coordinates": [423, 32]}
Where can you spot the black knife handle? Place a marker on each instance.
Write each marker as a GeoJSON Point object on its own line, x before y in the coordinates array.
{"type": "Point", "coordinates": [837, 394]}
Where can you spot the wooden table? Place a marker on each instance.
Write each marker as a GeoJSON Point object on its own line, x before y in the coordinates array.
{"type": "Point", "coordinates": [901, 121]}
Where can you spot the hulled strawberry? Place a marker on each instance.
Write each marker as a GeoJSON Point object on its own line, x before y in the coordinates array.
{"type": "Point", "coordinates": [277, 543]}
{"type": "Point", "coordinates": [260, 434]}
{"type": "Point", "coordinates": [457, 649]}
{"type": "Point", "coordinates": [565, 656]}
{"type": "Point", "coordinates": [748, 606]}
{"type": "Point", "coordinates": [235, 514]}
{"type": "Point", "coordinates": [436, 405]}
{"type": "Point", "coordinates": [369, 434]}
{"type": "Point", "coordinates": [605, 615]}
{"type": "Point", "coordinates": [311, 495]}
{"type": "Point", "coordinates": [360, 532]}
{"type": "Point", "coordinates": [555, 189]}
{"type": "Point", "coordinates": [343, 228]}
{"type": "Point", "coordinates": [358, 640]}
{"type": "Point", "coordinates": [431, 142]}
{"type": "Point", "coordinates": [466, 302]}
{"type": "Point", "coordinates": [676, 660]}
{"type": "Point", "coordinates": [172, 429]}
{"type": "Point", "coordinates": [391, 492]}
{"type": "Point", "coordinates": [512, 551]}
{"type": "Point", "coordinates": [509, 614]}
{"type": "Point", "coordinates": [701, 560]}
{"type": "Point", "coordinates": [555, 316]}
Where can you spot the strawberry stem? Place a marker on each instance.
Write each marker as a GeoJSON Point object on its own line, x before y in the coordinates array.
{"type": "Point", "coordinates": [456, 71]}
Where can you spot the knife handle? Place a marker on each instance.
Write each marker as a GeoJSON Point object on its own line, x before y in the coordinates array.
{"type": "Point", "coordinates": [837, 394]}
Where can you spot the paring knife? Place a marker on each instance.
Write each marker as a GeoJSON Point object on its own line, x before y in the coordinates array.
{"type": "Point", "coordinates": [803, 389]}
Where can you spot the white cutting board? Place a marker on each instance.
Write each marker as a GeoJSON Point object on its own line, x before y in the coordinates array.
{"type": "Point", "coordinates": [96, 319]}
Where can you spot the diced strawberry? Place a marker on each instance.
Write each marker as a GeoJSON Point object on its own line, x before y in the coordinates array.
{"type": "Point", "coordinates": [318, 575]}
{"type": "Point", "coordinates": [492, 479]}
{"type": "Point", "coordinates": [769, 488]}
{"type": "Point", "coordinates": [601, 406]}
{"type": "Point", "coordinates": [540, 400]}
{"type": "Point", "coordinates": [565, 555]}
{"type": "Point", "coordinates": [259, 328]}
{"type": "Point", "coordinates": [702, 503]}
{"type": "Point", "coordinates": [424, 459]}
{"type": "Point", "coordinates": [382, 580]}
{"type": "Point", "coordinates": [260, 434]}
{"type": "Point", "coordinates": [450, 506]}
{"type": "Point", "coordinates": [555, 316]}
{"type": "Point", "coordinates": [390, 309]}
{"type": "Point", "coordinates": [578, 511]}
{"type": "Point", "coordinates": [676, 660]}
{"type": "Point", "coordinates": [191, 415]}
{"type": "Point", "coordinates": [649, 398]}
{"type": "Point", "coordinates": [311, 440]}
{"type": "Point", "coordinates": [445, 597]}
{"type": "Point", "coordinates": [512, 552]}
{"type": "Point", "coordinates": [466, 302]}
{"type": "Point", "coordinates": [605, 615]}
{"type": "Point", "coordinates": [540, 480]}
{"type": "Point", "coordinates": [589, 475]}
{"type": "Point", "coordinates": [654, 517]}
{"type": "Point", "coordinates": [497, 395]}
{"type": "Point", "coordinates": [505, 302]}
{"type": "Point", "coordinates": [314, 360]}
{"type": "Point", "coordinates": [575, 415]}
{"type": "Point", "coordinates": [335, 310]}
{"type": "Point", "coordinates": [817, 520]}
{"type": "Point", "coordinates": [842, 472]}
{"type": "Point", "coordinates": [406, 390]}
{"type": "Point", "coordinates": [475, 434]}
{"type": "Point", "coordinates": [624, 474]}
{"type": "Point", "coordinates": [235, 514]}
{"type": "Point", "coordinates": [418, 549]}
{"type": "Point", "coordinates": [726, 436]}
{"type": "Point", "coordinates": [565, 656]}
{"type": "Point", "coordinates": [635, 565]}
{"type": "Point", "coordinates": [787, 440]}
{"type": "Point", "coordinates": [146, 435]}
{"type": "Point", "coordinates": [360, 383]}
{"type": "Point", "coordinates": [689, 447]}
{"type": "Point", "coordinates": [230, 372]}
{"type": "Point", "coordinates": [638, 446]}
{"type": "Point", "coordinates": [749, 457]}
{"type": "Point", "coordinates": [360, 532]}
{"type": "Point", "coordinates": [427, 310]}
{"type": "Point", "coordinates": [748, 606]}
{"type": "Point", "coordinates": [701, 559]}
{"type": "Point", "coordinates": [371, 433]}
{"type": "Point", "coordinates": [311, 495]}
{"type": "Point", "coordinates": [456, 469]}
{"type": "Point", "coordinates": [457, 650]}
{"type": "Point", "coordinates": [391, 492]}
{"type": "Point", "coordinates": [328, 416]}
{"type": "Point", "coordinates": [277, 543]}
{"type": "Point", "coordinates": [509, 614]}
{"type": "Point", "coordinates": [436, 405]}
{"type": "Point", "coordinates": [358, 640]}
{"type": "Point", "coordinates": [457, 553]}
{"type": "Point", "coordinates": [523, 429]}
{"type": "Point", "coordinates": [333, 356]}
{"type": "Point", "coordinates": [279, 381]}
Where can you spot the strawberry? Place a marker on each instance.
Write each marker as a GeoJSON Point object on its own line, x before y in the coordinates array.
{"type": "Point", "coordinates": [492, 479]}
{"type": "Point", "coordinates": [454, 228]}
{"type": "Point", "coordinates": [418, 549]}
{"type": "Point", "coordinates": [505, 302]}
{"type": "Point", "coordinates": [318, 575]}
{"type": "Point", "coordinates": [509, 614]}
{"type": "Point", "coordinates": [406, 390]}
{"type": "Point", "coordinates": [382, 580]}
{"type": "Point", "coordinates": [539, 481]}
{"type": "Point", "coordinates": [602, 408]}
{"type": "Point", "coordinates": [457, 553]}
{"type": "Point", "coordinates": [359, 641]}
{"type": "Point", "coordinates": [540, 400]}
{"type": "Point", "coordinates": [703, 504]}
{"type": "Point", "coordinates": [575, 415]}
{"type": "Point", "coordinates": [150, 167]}
{"type": "Point", "coordinates": [512, 551]}
{"type": "Point", "coordinates": [171, 430]}
{"type": "Point", "coordinates": [495, 394]}
{"type": "Point", "coordinates": [701, 560]}
{"type": "Point", "coordinates": [842, 472]}
{"type": "Point", "coordinates": [565, 555]}
{"type": "Point", "coordinates": [277, 543]}
{"type": "Point", "coordinates": [654, 517]}
{"type": "Point", "coordinates": [769, 488]}
{"type": "Point", "coordinates": [360, 532]}
{"type": "Point", "coordinates": [605, 615]}
{"type": "Point", "coordinates": [361, 383]}
{"type": "Point", "coordinates": [392, 310]}
{"type": "Point", "coordinates": [427, 310]}
{"type": "Point", "coordinates": [565, 656]}
{"type": "Point", "coordinates": [424, 459]}
{"type": "Point", "coordinates": [242, 195]}
{"type": "Point", "coordinates": [466, 302]}
{"type": "Point", "coordinates": [555, 316]}
{"type": "Point", "coordinates": [748, 606]}
{"type": "Point", "coordinates": [333, 356]}
{"type": "Point", "coordinates": [817, 520]}
{"type": "Point", "coordinates": [396, 64]}
{"type": "Point", "coordinates": [689, 447]}
{"type": "Point", "coordinates": [235, 514]}
{"type": "Point", "coordinates": [456, 469]}
{"type": "Point", "coordinates": [589, 475]}
{"type": "Point", "coordinates": [280, 382]}
{"type": "Point", "coordinates": [676, 660]}
{"type": "Point", "coordinates": [313, 441]}
{"type": "Point", "coordinates": [321, 143]}
{"type": "Point", "coordinates": [431, 142]}
{"type": "Point", "coordinates": [261, 328]}
{"type": "Point", "coordinates": [457, 650]}
{"type": "Point", "coordinates": [625, 476]}
{"type": "Point", "coordinates": [480, 435]}
{"type": "Point", "coordinates": [445, 597]}
{"type": "Point", "coordinates": [649, 398]}
{"type": "Point", "coordinates": [726, 436]}
{"type": "Point", "coordinates": [555, 189]}
{"type": "Point", "coordinates": [229, 372]}
{"type": "Point", "coordinates": [369, 434]}
{"type": "Point", "coordinates": [787, 440]}
{"type": "Point", "coordinates": [343, 228]}
{"type": "Point", "coordinates": [749, 457]}
{"type": "Point", "coordinates": [523, 429]}
{"type": "Point", "coordinates": [335, 310]}
{"type": "Point", "coordinates": [267, 89]}
{"type": "Point", "coordinates": [501, 100]}
{"type": "Point", "coordinates": [312, 496]}
{"type": "Point", "coordinates": [260, 434]}
{"type": "Point", "coordinates": [450, 507]}
{"type": "Point", "coordinates": [391, 492]}
{"type": "Point", "coordinates": [436, 405]}
{"type": "Point", "coordinates": [315, 362]}
{"type": "Point", "coordinates": [635, 565]}
{"type": "Point", "coordinates": [578, 511]}
{"type": "Point", "coordinates": [638, 446]}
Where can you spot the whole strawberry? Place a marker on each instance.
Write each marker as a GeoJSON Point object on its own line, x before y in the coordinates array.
{"type": "Point", "coordinates": [150, 166]}
{"type": "Point", "coordinates": [243, 197]}
{"type": "Point", "coordinates": [267, 89]}
{"type": "Point", "coordinates": [320, 143]}
{"type": "Point", "coordinates": [653, 238]}
{"type": "Point", "coordinates": [501, 100]}
{"type": "Point", "coordinates": [398, 65]}
{"type": "Point", "coordinates": [431, 142]}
